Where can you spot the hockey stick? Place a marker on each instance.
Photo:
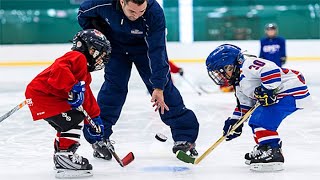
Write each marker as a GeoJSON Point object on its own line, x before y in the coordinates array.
{"type": "Point", "coordinates": [124, 161]}
{"type": "Point", "coordinates": [208, 91]}
{"type": "Point", "coordinates": [15, 109]}
{"type": "Point", "coordinates": [91, 122]}
{"type": "Point", "coordinates": [192, 86]}
{"type": "Point", "coordinates": [187, 159]}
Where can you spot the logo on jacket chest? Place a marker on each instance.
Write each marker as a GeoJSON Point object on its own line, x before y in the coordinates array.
{"type": "Point", "coordinates": [136, 31]}
{"type": "Point", "coordinates": [271, 48]}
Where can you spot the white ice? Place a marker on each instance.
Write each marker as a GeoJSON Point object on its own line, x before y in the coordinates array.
{"type": "Point", "coordinates": [26, 147]}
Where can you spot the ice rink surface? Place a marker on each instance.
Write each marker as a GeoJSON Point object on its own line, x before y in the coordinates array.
{"type": "Point", "coordinates": [26, 147]}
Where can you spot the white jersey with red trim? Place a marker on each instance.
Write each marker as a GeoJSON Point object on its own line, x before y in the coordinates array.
{"type": "Point", "coordinates": [256, 72]}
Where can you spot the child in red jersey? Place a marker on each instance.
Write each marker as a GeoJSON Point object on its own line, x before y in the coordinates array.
{"type": "Point", "coordinates": [57, 92]}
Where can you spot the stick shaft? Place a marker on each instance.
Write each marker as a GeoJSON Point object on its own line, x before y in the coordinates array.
{"type": "Point", "coordinates": [221, 139]}
{"type": "Point", "coordinates": [98, 130]}
{"type": "Point", "coordinates": [116, 157]}
{"type": "Point", "coordinates": [15, 109]}
{"type": "Point", "coordinates": [191, 85]}
{"type": "Point", "coordinates": [91, 122]}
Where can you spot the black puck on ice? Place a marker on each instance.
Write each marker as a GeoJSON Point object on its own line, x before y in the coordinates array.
{"type": "Point", "coordinates": [161, 137]}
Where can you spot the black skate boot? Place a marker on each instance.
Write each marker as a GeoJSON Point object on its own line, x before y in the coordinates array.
{"type": "Point", "coordinates": [185, 147]}
{"type": "Point", "coordinates": [68, 164]}
{"type": "Point", "coordinates": [271, 159]}
{"type": "Point", "coordinates": [101, 149]}
{"type": "Point", "coordinates": [257, 151]}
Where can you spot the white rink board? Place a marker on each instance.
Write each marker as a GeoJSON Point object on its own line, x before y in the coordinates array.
{"type": "Point", "coordinates": [197, 50]}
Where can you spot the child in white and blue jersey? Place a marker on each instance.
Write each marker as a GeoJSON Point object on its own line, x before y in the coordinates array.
{"type": "Point", "coordinates": [279, 91]}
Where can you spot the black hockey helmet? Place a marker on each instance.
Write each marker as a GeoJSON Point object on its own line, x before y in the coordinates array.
{"type": "Point", "coordinates": [92, 40]}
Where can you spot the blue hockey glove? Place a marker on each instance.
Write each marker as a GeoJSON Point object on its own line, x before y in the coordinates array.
{"type": "Point", "coordinates": [227, 127]}
{"type": "Point", "coordinates": [90, 134]}
{"type": "Point", "coordinates": [265, 97]}
{"type": "Point", "coordinates": [76, 95]}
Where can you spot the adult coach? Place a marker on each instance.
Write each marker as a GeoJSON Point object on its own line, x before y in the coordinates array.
{"type": "Point", "coordinates": [136, 31]}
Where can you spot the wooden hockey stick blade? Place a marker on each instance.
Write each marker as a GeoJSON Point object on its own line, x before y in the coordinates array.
{"type": "Point", "coordinates": [185, 157]}
{"type": "Point", "coordinates": [128, 159]}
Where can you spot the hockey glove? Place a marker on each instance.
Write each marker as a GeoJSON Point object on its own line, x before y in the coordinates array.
{"type": "Point", "coordinates": [180, 71]}
{"type": "Point", "coordinates": [228, 126]}
{"type": "Point", "coordinates": [76, 95]}
{"type": "Point", "coordinates": [265, 97]}
{"type": "Point", "coordinates": [90, 134]}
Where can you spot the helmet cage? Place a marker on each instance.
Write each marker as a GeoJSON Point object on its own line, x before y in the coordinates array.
{"type": "Point", "coordinates": [217, 77]}
{"type": "Point", "coordinates": [221, 77]}
{"type": "Point", "coordinates": [100, 56]}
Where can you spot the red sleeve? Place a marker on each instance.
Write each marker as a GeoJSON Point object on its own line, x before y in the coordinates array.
{"type": "Point", "coordinates": [173, 67]}
{"type": "Point", "coordinates": [61, 78]}
{"type": "Point", "coordinates": [67, 71]}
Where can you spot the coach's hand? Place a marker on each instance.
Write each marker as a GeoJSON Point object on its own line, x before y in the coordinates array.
{"type": "Point", "coordinates": [158, 100]}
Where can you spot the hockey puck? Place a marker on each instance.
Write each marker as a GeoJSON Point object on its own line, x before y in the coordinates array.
{"type": "Point", "coordinates": [161, 137]}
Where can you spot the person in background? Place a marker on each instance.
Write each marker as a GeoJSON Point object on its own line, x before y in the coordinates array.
{"type": "Point", "coordinates": [175, 69]}
{"type": "Point", "coordinates": [226, 87]}
{"type": "Point", "coordinates": [273, 47]}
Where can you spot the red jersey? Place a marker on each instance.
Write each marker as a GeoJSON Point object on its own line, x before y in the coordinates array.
{"type": "Point", "coordinates": [173, 67]}
{"type": "Point", "coordinates": [48, 91]}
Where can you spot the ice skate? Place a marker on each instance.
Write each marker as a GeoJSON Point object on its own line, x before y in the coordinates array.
{"type": "Point", "coordinates": [186, 147]}
{"type": "Point", "coordinates": [100, 149]}
{"type": "Point", "coordinates": [257, 151]}
{"type": "Point", "coordinates": [271, 159]}
{"type": "Point", "coordinates": [68, 164]}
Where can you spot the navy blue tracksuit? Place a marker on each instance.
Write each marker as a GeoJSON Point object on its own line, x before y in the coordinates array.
{"type": "Point", "coordinates": [143, 43]}
{"type": "Point", "coordinates": [273, 49]}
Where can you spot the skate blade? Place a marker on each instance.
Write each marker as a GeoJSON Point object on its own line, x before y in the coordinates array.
{"type": "Point", "coordinates": [267, 167]}
{"type": "Point", "coordinates": [247, 162]}
{"type": "Point", "coordinates": [66, 173]}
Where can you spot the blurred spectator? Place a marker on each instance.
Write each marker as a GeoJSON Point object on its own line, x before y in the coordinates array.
{"type": "Point", "coordinates": [273, 47]}
{"type": "Point", "coordinates": [226, 87]}
{"type": "Point", "coordinates": [175, 69]}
